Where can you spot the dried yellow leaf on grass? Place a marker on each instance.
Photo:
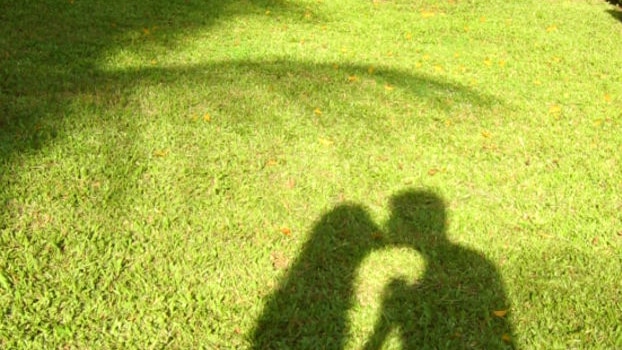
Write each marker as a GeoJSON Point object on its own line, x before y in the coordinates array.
{"type": "Point", "coordinates": [207, 117]}
{"type": "Point", "coordinates": [607, 98]}
{"type": "Point", "coordinates": [376, 236]}
{"type": "Point", "coordinates": [555, 111]}
{"type": "Point", "coordinates": [551, 28]}
{"type": "Point", "coordinates": [160, 153]}
{"type": "Point", "coordinates": [286, 231]}
{"type": "Point", "coordinates": [317, 112]}
{"type": "Point", "coordinates": [506, 338]}
{"type": "Point", "coordinates": [388, 87]}
{"type": "Point", "coordinates": [325, 142]}
{"type": "Point", "coordinates": [500, 313]}
{"type": "Point", "coordinates": [279, 260]}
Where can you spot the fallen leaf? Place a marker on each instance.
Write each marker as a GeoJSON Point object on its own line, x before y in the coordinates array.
{"type": "Point", "coordinates": [388, 87]}
{"type": "Point", "coordinates": [408, 36]}
{"type": "Point", "coordinates": [427, 14]}
{"type": "Point", "coordinates": [271, 162]}
{"type": "Point", "coordinates": [353, 78]}
{"type": "Point", "coordinates": [486, 134]}
{"type": "Point", "coordinates": [555, 110]}
{"type": "Point", "coordinates": [551, 28]}
{"type": "Point", "coordinates": [279, 260]}
{"type": "Point", "coordinates": [607, 98]}
{"type": "Point", "coordinates": [500, 313]}
{"type": "Point", "coordinates": [207, 117]}
{"type": "Point", "coordinates": [160, 153]}
{"type": "Point", "coordinates": [267, 12]}
{"type": "Point", "coordinates": [506, 338]}
{"type": "Point", "coordinates": [286, 231]}
{"type": "Point", "coordinates": [433, 171]}
{"type": "Point", "coordinates": [325, 142]}
{"type": "Point", "coordinates": [291, 183]}
{"type": "Point", "coordinates": [317, 112]}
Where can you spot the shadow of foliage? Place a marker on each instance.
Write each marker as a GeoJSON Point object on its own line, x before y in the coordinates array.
{"type": "Point", "coordinates": [617, 14]}
{"type": "Point", "coordinates": [50, 51]}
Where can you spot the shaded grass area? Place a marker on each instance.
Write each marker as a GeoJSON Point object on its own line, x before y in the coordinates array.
{"type": "Point", "coordinates": [168, 169]}
{"type": "Point", "coordinates": [449, 306]}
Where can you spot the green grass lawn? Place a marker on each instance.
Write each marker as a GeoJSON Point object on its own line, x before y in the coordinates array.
{"type": "Point", "coordinates": [310, 174]}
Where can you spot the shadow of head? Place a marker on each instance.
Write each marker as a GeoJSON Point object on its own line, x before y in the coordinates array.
{"type": "Point", "coordinates": [417, 220]}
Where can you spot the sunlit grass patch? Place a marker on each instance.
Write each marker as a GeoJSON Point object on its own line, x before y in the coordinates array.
{"type": "Point", "coordinates": [167, 167]}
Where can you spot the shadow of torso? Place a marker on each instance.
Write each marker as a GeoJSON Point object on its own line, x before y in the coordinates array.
{"type": "Point", "coordinates": [309, 309]}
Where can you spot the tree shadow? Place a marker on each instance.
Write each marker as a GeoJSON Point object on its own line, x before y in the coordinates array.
{"type": "Point", "coordinates": [52, 50]}
{"type": "Point", "coordinates": [617, 14]}
{"type": "Point", "coordinates": [450, 306]}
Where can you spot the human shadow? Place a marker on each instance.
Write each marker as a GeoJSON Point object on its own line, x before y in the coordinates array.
{"type": "Point", "coordinates": [450, 306]}
{"type": "Point", "coordinates": [460, 300]}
